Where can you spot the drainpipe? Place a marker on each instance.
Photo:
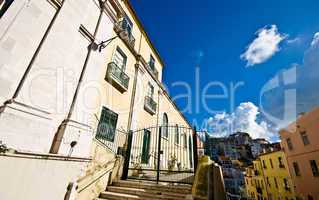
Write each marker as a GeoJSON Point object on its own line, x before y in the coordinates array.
{"type": "Point", "coordinates": [129, 123]}
{"type": "Point", "coordinates": [60, 132]}
{"type": "Point", "coordinates": [35, 55]}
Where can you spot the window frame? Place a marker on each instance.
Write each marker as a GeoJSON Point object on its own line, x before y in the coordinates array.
{"type": "Point", "coordinates": [150, 90]}
{"type": "Point", "coordinates": [289, 144]}
{"type": "Point", "coordinates": [296, 169]}
{"type": "Point", "coordinates": [127, 25]}
{"type": "Point", "coordinates": [164, 133]}
{"type": "Point", "coordinates": [314, 168]}
{"type": "Point", "coordinates": [107, 114]}
{"type": "Point", "coordinates": [120, 52]}
{"type": "Point", "coordinates": [152, 62]}
{"type": "Point", "coordinates": [304, 138]}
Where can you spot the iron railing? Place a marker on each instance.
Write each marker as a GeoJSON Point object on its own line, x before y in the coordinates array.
{"type": "Point", "coordinates": [114, 140]}
{"type": "Point", "coordinates": [121, 29]}
{"type": "Point", "coordinates": [116, 74]}
{"type": "Point", "coordinates": [157, 155]}
{"type": "Point", "coordinates": [150, 105]}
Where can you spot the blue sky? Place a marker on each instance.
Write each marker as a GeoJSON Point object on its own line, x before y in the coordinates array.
{"type": "Point", "coordinates": [214, 34]}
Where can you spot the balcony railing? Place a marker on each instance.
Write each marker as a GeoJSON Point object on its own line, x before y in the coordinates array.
{"type": "Point", "coordinates": [124, 33]}
{"type": "Point", "coordinates": [117, 77]}
{"type": "Point", "coordinates": [150, 105]}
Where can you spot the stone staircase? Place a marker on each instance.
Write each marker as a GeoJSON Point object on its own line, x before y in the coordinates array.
{"type": "Point", "coordinates": [129, 190]}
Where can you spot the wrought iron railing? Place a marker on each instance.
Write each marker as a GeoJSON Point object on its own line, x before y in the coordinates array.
{"type": "Point", "coordinates": [124, 33]}
{"type": "Point", "coordinates": [150, 104]}
{"type": "Point", "coordinates": [114, 140]}
{"type": "Point", "coordinates": [118, 75]}
{"type": "Point", "coordinates": [167, 160]}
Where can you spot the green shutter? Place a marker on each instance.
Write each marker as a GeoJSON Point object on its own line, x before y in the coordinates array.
{"type": "Point", "coordinates": [146, 146]}
{"type": "Point", "coordinates": [176, 134]}
{"type": "Point", "coordinates": [107, 125]}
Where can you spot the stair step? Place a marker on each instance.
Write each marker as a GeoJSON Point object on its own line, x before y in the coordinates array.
{"type": "Point", "coordinates": [181, 189]}
{"type": "Point", "coordinates": [117, 196]}
{"type": "Point", "coordinates": [147, 193]}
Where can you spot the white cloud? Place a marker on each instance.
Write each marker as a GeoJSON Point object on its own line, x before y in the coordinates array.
{"type": "Point", "coordinates": [315, 40]}
{"type": "Point", "coordinates": [264, 46]}
{"type": "Point", "coordinates": [294, 40]}
{"type": "Point", "coordinates": [244, 118]}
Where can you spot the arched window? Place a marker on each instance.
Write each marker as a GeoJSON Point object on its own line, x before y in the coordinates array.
{"type": "Point", "coordinates": [165, 126]}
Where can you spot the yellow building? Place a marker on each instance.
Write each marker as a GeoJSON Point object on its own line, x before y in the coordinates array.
{"type": "Point", "coordinates": [269, 178]}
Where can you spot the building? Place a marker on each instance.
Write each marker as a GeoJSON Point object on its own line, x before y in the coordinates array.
{"type": "Point", "coordinates": [269, 178]}
{"type": "Point", "coordinates": [76, 76]}
{"type": "Point", "coordinates": [300, 141]}
{"type": "Point", "coordinates": [258, 146]}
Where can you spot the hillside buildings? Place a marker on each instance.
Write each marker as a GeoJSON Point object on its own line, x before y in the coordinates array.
{"type": "Point", "coordinates": [76, 76]}
{"type": "Point", "coordinates": [269, 177]}
{"type": "Point", "coordinates": [300, 141]}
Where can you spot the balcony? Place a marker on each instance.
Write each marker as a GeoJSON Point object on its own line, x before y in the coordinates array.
{"type": "Point", "coordinates": [150, 105]}
{"type": "Point", "coordinates": [117, 77]}
{"type": "Point", "coordinates": [124, 33]}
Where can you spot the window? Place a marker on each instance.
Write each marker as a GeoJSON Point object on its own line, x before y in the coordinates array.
{"type": "Point", "coordinates": [127, 25]}
{"type": "Point", "coordinates": [304, 138]}
{"type": "Point", "coordinates": [165, 126]}
{"type": "Point", "coordinates": [296, 168]}
{"type": "Point", "coordinates": [146, 146]}
{"type": "Point", "coordinates": [185, 140]}
{"type": "Point", "coordinates": [152, 62]}
{"type": "Point", "coordinates": [281, 164]}
{"type": "Point", "coordinates": [276, 183]}
{"type": "Point", "coordinates": [107, 125]}
{"type": "Point", "coordinates": [286, 184]}
{"type": "Point", "coordinates": [268, 181]}
{"type": "Point", "coordinates": [289, 143]}
{"type": "Point", "coordinates": [271, 164]}
{"type": "Point", "coordinates": [4, 5]}
{"type": "Point", "coordinates": [314, 168]}
{"type": "Point", "coordinates": [176, 134]}
{"type": "Point", "coordinates": [119, 58]}
{"type": "Point", "coordinates": [264, 164]}
{"type": "Point", "coordinates": [150, 90]}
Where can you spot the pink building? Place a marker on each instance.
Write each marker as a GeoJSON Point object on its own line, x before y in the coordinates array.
{"type": "Point", "coordinates": [300, 141]}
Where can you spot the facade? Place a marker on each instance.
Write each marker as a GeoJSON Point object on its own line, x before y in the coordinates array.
{"type": "Point", "coordinates": [269, 177]}
{"type": "Point", "coordinates": [75, 77]}
{"type": "Point", "coordinates": [300, 141]}
{"type": "Point", "coordinates": [258, 146]}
